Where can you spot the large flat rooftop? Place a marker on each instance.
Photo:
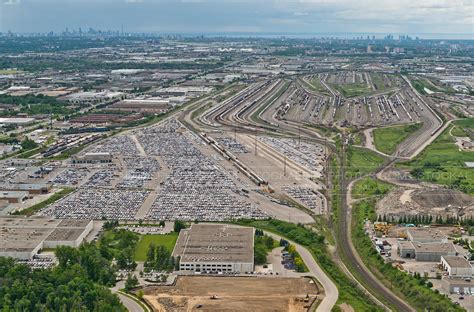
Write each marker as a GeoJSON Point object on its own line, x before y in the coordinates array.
{"type": "Point", "coordinates": [457, 262]}
{"type": "Point", "coordinates": [19, 233]}
{"type": "Point", "coordinates": [425, 234]}
{"type": "Point", "coordinates": [215, 243]}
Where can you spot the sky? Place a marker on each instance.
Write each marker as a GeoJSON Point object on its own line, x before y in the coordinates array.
{"type": "Point", "coordinates": [242, 16]}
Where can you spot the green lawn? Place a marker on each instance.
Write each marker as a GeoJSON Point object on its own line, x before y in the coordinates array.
{"type": "Point", "coordinates": [368, 187]}
{"type": "Point", "coordinates": [167, 240]}
{"type": "Point", "coordinates": [353, 89]}
{"type": "Point", "coordinates": [377, 80]}
{"type": "Point", "coordinates": [387, 139]}
{"type": "Point", "coordinates": [316, 85]}
{"type": "Point", "coordinates": [442, 162]}
{"type": "Point", "coordinates": [361, 161]}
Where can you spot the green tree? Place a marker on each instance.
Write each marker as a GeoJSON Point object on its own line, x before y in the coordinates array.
{"type": "Point", "coordinates": [131, 282]}
{"type": "Point", "coordinates": [178, 226]}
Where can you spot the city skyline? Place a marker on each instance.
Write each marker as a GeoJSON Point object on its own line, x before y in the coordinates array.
{"type": "Point", "coordinates": [446, 19]}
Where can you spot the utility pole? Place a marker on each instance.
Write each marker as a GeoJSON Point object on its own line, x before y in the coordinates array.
{"type": "Point", "coordinates": [235, 130]}
{"type": "Point", "coordinates": [299, 136]}
{"type": "Point", "coordinates": [284, 166]}
{"type": "Point", "coordinates": [255, 142]}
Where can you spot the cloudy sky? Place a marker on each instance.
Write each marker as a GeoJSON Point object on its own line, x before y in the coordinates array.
{"type": "Point", "coordinates": [242, 16]}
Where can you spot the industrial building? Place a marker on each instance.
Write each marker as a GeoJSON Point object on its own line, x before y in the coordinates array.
{"type": "Point", "coordinates": [16, 121]}
{"type": "Point", "coordinates": [93, 158]}
{"type": "Point", "coordinates": [22, 238]}
{"type": "Point", "coordinates": [425, 244]}
{"type": "Point", "coordinates": [425, 235]}
{"type": "Point", "coordinates": [14, 197]}
{"type": "Point", "coordinates": [214, 248]}
{"type": "Point", "coordinates": [457, 266]}
{"type": "Point", "coordinates": [456, 285]}
{"type": "Point", "coordinates": [30, 188]}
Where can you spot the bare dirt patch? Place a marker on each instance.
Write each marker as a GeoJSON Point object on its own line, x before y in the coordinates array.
{"type": "Point", "coordinates": [233, 294]}
{"type": "Point", "coordinates": [435, 202]}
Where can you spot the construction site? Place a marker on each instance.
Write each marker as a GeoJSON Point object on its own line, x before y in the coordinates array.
{"type": "Point", "coordinates": [195, 293]}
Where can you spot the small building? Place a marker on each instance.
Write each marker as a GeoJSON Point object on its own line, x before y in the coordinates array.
{"type": "Point", "coordinates": [13, 197]}
{"type": "Point", "coordinates": [93, 158]}
{"type": "Point", "coordinates": [456, 285]}
{"type": "Point", "coordinates": [457, 266]}
{"type": "Point", "coordinates": [215, 248]}
{"type": "Point", "coordinates": [406, 249]}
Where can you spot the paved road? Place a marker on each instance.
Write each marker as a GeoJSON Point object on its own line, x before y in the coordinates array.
{"type": "Point", "coordinates": [330, 289]}
{"type": "Point", "coordinates": [130, 304]}
{"type": "Point", "coordinates": [346, 247]}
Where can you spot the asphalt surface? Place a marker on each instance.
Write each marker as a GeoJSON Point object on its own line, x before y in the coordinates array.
{"type": "Point", "coordinates": [331, 293]}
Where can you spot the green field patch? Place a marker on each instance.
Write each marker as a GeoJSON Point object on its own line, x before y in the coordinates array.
{"type": "Point", "coordinates": [377, 81]}
{"type": "Point", "coordinates": [443, 162]}
{"type": "Point", "coordinates": [387, 139]}
{"type": "Point", "coordinates": [361, 161]}
{"type": "Point", "coordinates": [353, 89]}
{"type": "Point", "coordinates": [166, 240]}
{"type": "Point", "coordinates": [368, 187]}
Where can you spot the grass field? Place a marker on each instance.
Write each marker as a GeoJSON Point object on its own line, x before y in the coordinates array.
{"type": "Point", "coordinates": [377, 80]}
{"type": "Point", "coordinates": [317, 86]}
{"type": "Point", "coordinates": [353, 89]}
{"type": "Point", "coordinates": [361, 161]}
{"type": "Point", "coordinates": [9, 71]}
{"type": "Point", "coordinates": [442, 162]}
{"type": "Point", "coordinates": [387, 139]}
{"type": "Point", "coordinates": [167, 240]}
{"type": "Point", "coordinates": [368, 187]}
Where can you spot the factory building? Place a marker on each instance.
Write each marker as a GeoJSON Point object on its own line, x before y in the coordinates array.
{"type": "Point", "coordinates": [214, 248]}
{"type": "Point", "coordinates": [30, 188]}
{"type": "Point", "coordinates": [453, 285]}
{"type": "Point", "coordinates": [425, 235]}
{"type": "Point", "coordinates": [457, 266]}
{"type": "Point", "coordinates": [22, 238]}
{"type": "Point", "coordinates": [14, 197]}
{"type": "Point", "coordinates": [93, 158]}
{"type": "Point", "coordinates": [426, 245]}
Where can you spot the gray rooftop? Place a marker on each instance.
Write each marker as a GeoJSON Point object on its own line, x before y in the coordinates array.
{"type": "Point", "coordinates": [215, 243]}
{"type": "Point", "coordinates": [457, 262]}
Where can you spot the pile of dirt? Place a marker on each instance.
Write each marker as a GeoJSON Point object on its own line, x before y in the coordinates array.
{"type": "Point", "coordinates": [441, 198]}
{"type": "Point", "coordinates": [426, 201]}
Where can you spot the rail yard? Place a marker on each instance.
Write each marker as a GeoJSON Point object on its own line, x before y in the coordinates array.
{"type": "Point", "coordinates": [334, 162]}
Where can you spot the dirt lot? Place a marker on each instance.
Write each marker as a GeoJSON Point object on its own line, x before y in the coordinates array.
{"type": "Point", "coordinates": [435, 202]}
{"type": "Point", "coordinates": [234, 294]}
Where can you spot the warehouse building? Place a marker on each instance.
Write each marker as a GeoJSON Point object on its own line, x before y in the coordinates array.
{"type": "Point", "coordinates": [30, 188]}
{"type": "Point", "coordinates": [425, 235]}
{"type": "Point", "coordinates": [22, 238]}
{"type": "Point", "coordinates": [14, 197]}
{"type": "Point", "coordinates": [456, 285]}
{"type": "Point", "coordinates": [457, 266]}
{"type": "Point", "coordinates": [214, 248]}
{"type": "Point", "coordinates": [93, 158]}
{"type": "Point", "coordinates": [425, 244]}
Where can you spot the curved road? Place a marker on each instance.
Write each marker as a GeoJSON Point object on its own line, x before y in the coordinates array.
{"type": "Point", "coordinates": [330, 289]}
{"type": "Point", "coordinates": [347, 248]}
